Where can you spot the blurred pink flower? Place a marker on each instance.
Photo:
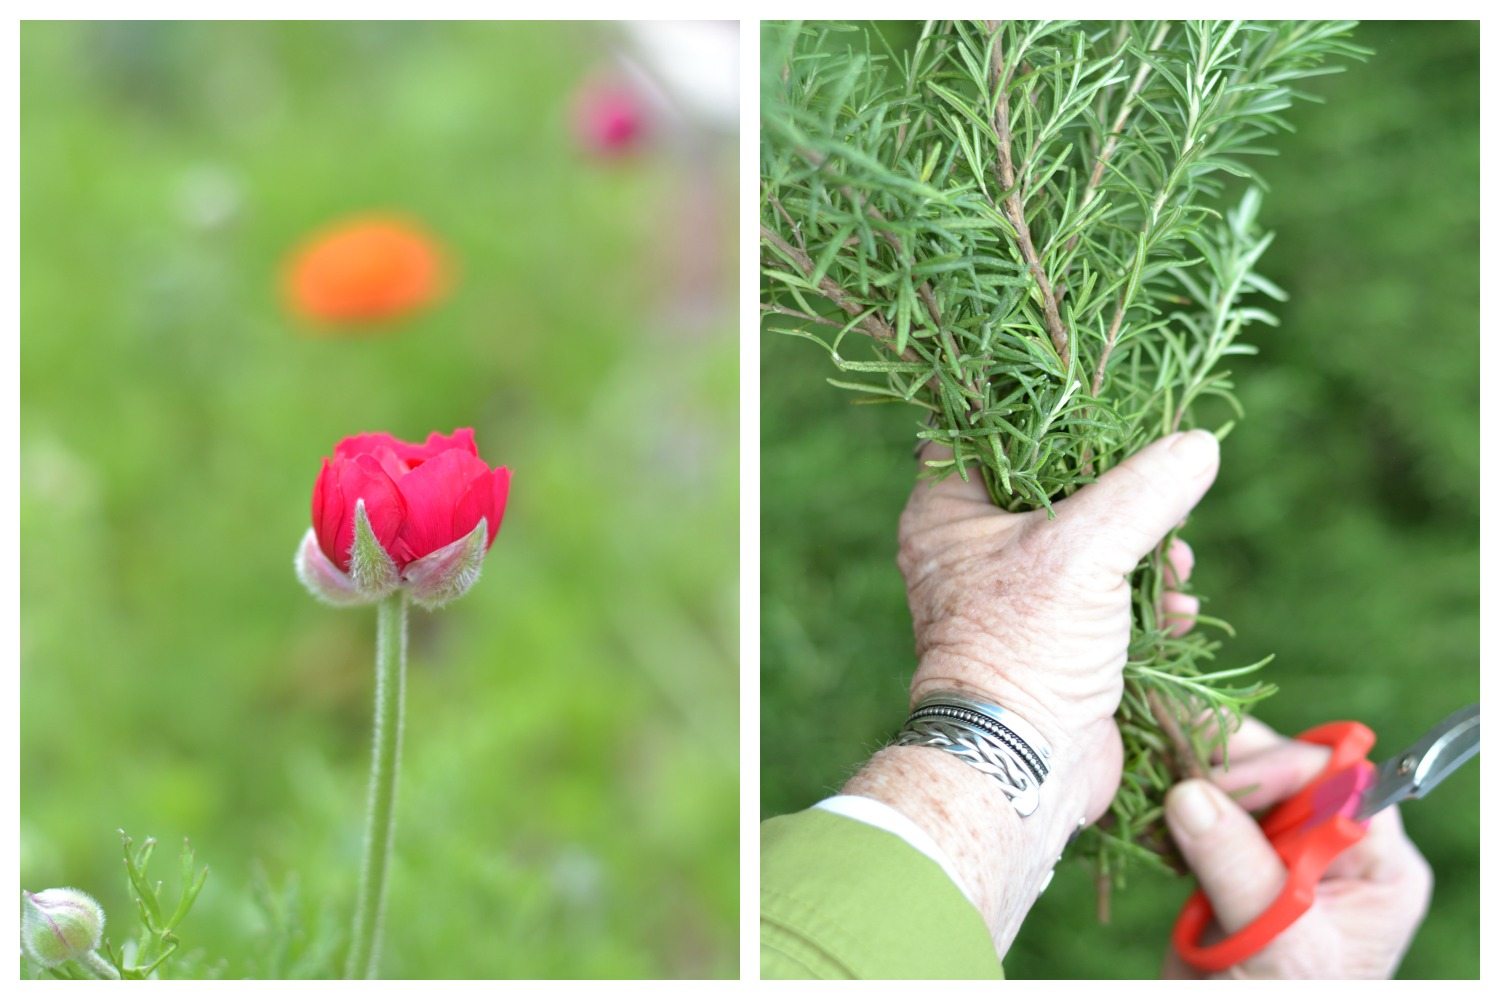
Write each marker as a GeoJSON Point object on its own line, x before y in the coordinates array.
{"type": "Point", "coordinates": [609, 117]}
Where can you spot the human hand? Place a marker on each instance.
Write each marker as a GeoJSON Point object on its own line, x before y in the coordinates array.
{"type": "Point", "coordinates": [1033, 613]}
{"type": "Point", "coordinates": [1369, 903]}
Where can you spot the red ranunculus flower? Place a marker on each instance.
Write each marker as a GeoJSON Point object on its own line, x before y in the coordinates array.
{"type": "Point", "coordinates": [422, 502]}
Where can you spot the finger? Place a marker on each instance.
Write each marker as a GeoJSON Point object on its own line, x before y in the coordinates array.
{"type": "Point", "coordinates": [1179, 612]}
{"type": "Point", "coordinates": [1386, 854]}
{"type": "Point", "coordinates": [1173, 967]}
{"type": "Point", "coordinates": [1253, 736]}
{"type": "Point", "coordinates": [1236, 866]}
{"type": "Point", "coordinates": [1261, 779]}
{"type": "Point", "coordinates": [931, 451]}
{"type": "Point", "coordinates": [952, 485]}
{"type": "Point", "coordinates": [1131, 508]}
{"type": "Point", "coordinates": [1179, 563]}
{"type": "Point", "coordinates": [1382, 881]}
{"type": "Point", "coordinates": [1249, 736]}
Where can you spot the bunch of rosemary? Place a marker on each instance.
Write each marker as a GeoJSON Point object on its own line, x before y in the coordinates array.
{"type": "Point", "coordinates": [1019, 228]}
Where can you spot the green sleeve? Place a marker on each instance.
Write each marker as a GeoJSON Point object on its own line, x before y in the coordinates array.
{"type": "Point", "coordinates": [840, 899]}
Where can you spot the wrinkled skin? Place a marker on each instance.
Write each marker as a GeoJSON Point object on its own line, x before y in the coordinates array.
{"type": "Point", "coordinates": [1034, 613]}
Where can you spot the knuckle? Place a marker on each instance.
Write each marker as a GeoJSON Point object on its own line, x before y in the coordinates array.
{"type": "Point", "coordinates": [1133, 478]}
{"type": "Point", "coordinates": [1048, 551]}
{"type": "Point", "coordinates": [908, 556]}
{"type": "Point", "coordinates": [913, 552]}
{"type": "Point", "coordinates": [1422, 875]}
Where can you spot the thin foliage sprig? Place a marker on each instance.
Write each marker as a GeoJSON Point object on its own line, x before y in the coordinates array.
{"type": "Point", "coordinates": [158, 940]}
{"type": "Point", "coordinates": [1020, 228]}
{"type": "Point", "coordinates": [149, 953]}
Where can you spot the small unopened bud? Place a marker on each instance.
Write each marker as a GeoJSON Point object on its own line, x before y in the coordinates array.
{"type": "Point", "coordinates": [60, 925]}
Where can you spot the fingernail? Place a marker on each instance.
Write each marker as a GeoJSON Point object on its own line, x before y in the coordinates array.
{"type": "Point", "coordinates": [1198, 450]}
{"type": "Point", "coordinates": [1193, 808]}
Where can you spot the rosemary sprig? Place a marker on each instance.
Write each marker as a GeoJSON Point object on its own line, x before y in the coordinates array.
{"type": "Point", "coordinates": [1020, 228]}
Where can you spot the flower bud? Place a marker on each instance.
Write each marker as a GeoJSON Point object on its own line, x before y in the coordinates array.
{"type": "Point", "coordinates": [390, 515]}
{"type": "Point", "coordinates": [60, 925]}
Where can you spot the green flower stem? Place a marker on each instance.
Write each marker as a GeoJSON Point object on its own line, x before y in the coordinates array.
{"type": "Point", "coordinates": [97, 967]}
{"type": "Point", "coordinates": [380, 825]}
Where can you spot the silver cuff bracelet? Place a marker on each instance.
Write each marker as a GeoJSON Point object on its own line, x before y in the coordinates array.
{"type": "Point", "coordinates": [987, 737]}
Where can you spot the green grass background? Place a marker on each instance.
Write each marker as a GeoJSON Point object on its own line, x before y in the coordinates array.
{"type": "Point", "coordinates": [569, 800]}
{"type": "Point", "coordinates": [1342, 534]}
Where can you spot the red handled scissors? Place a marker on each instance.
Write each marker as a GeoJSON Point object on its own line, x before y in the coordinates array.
{"type": "Point", "coordinates": [1317, 824]}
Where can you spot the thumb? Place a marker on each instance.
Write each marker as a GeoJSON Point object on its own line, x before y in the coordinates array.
{"type": "Point", "coordinates": [1133, 506]}
{"type": "Point", "coordinates": [1237, 867]}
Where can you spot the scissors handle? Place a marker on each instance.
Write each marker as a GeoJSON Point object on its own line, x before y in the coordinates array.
{"type": "Point", "coordinates": [1308, 831]}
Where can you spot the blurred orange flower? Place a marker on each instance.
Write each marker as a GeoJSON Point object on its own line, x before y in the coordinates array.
{"type": "Point", "coordinates": [363, 270]}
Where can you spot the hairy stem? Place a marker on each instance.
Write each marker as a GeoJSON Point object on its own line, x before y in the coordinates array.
{"type": "Point", "coordinates": [97, 967]}
{"type": "Point", "coordinates": [380, 823]}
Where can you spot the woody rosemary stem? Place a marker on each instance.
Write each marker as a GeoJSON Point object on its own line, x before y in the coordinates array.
{"type": "Point", "coordinates": [385, 764]}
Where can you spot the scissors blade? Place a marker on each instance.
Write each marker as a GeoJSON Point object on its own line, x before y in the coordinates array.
{"type": "Point", "coordinates": [1420, 768]}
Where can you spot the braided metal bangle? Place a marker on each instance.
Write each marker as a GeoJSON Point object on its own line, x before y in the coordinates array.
{"type": "Point", "coordinates": [987, 737]}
